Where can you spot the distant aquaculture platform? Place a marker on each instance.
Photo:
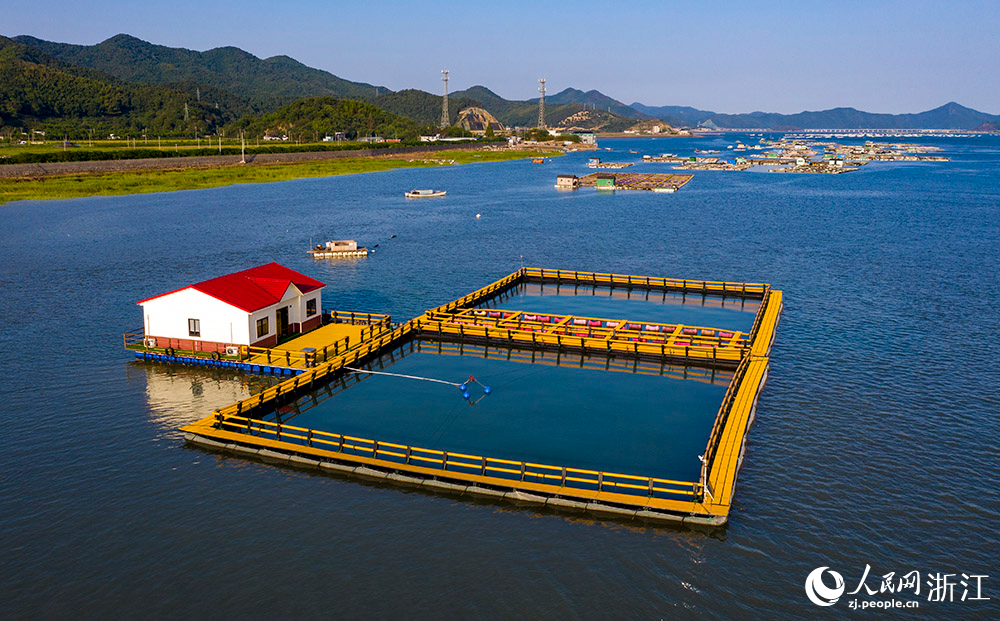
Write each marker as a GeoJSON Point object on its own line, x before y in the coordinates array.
{"type": "Point", "coordinates": [657, 378]}
{"type": "Point", "coordinates": [635, 181]}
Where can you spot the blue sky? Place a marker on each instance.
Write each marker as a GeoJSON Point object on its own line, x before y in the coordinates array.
{"type": "Point", "coordinates": [777, 56]}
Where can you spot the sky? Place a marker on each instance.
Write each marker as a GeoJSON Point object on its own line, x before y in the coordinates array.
{"type": "Point", "coordinates": [889, 56]}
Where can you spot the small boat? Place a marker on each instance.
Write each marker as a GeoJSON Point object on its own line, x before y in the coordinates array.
{"type": "Point", "coordinates": [338, 248]}
{"type": "Point", "coordinates": [425, 193]}
{"type": "Point", "coordinates": [538, 160]}
{"type": "Point", "coordinates": [632, 151]}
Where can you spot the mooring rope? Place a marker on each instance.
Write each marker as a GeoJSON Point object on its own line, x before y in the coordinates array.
{"type": "Point", "coordinates": [415, 377]}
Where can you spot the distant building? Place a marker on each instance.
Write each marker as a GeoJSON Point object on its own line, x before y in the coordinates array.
{"type": "Point", "coordinates": [567, 181]}
{"type": "Point", "coordinates": [274, 136]}
{"type": "Point", "coordinates": [336, 137]}
{"type": "Point", "coordinates": [252, 307]}
{"type": "Point", "coordinates": [371, 139]}
{"type": "Point", "coordinates": [587, 137]}
{"type": "Point", "coordinates": [605, 181]}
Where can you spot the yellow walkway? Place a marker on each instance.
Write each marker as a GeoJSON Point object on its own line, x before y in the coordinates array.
{"type": "Point", "coordinates": [322, 337]}
{"type": "Point", "coordinates": [290, 355]}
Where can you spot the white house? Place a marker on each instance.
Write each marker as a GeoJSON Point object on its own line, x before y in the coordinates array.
{"type": "Point", "coordinates": [252, 307]}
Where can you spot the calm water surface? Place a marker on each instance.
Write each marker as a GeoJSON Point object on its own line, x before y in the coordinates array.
{"type": "Point", "coordinates": [875, 442]}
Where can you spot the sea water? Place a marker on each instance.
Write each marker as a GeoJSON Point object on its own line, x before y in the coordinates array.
{"type": "Point", "coordinates": [875, 442]}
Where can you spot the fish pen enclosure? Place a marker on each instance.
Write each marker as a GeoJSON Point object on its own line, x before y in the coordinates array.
{"type": "Point", "coordinates": [637, 181]}
{"type": "Point", "coordinates": [615, 395]}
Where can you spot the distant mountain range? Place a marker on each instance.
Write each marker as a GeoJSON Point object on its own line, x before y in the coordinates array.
{"type": "Point", "coordinates": [948, 116]}
{"type": "Point", "coordinates": [126, 83]}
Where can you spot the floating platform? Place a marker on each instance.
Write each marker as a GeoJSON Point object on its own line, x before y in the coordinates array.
{"type": "Point", "coordinates": [340, 332]}
{"type": "Point", "coordinates": [610, 165]}
{"type": "Point", "coordinates": [635, 181]}
{"type": "Point", "coordinates": [251, 428]}
{"type": "Point", "coordinates": [333, 254]}
{"type": "Point", "coordinates": [338, 248]}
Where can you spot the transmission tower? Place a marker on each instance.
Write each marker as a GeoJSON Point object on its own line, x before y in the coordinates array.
{"type": "Point", "coordinates": [541, 104]}
{"type": "Point", "coordinates": [444, 102]}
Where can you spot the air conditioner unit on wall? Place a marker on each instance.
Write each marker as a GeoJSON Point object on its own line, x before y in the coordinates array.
{"type": "Point", "coordinates": [232, 350]}
{"type": "Point", "coordinates": [150, 341]}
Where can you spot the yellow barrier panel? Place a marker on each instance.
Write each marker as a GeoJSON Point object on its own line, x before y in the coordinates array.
{"type": "Point", "coordinates": [448, 460]}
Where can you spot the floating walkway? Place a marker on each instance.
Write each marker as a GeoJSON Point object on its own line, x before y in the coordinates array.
{"type": "Point", "coordinates": [241, 428]}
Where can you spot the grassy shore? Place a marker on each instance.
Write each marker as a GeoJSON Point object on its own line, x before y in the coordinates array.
{"type": "Point", "coordinates": [140, 182]}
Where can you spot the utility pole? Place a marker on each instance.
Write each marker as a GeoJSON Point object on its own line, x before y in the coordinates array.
{"type": "Point", "coordinates": [243, 149]}
{"type": "Point", "coordinates": [445, 117]}
{"type": "Point", "coordinates": [185, 111]}
{"type": "Point", "coordinates": [541, 104]}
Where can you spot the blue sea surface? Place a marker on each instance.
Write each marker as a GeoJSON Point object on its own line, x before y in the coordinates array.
{"type": "Point", "coordinates": [875, 441]}
{"type": "Point", "coordinates": [565, 415]}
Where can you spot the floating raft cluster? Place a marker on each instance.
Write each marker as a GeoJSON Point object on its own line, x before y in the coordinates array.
{"type": "Point", "coordinates": [243, 428]}
{"type": "Point", "coordinates": [638, 181]}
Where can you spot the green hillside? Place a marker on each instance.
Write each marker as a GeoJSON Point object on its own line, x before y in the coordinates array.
{"type": "Point", "coordinates": [422, 107]}
{"type": "Point", "coordinates": [40, 92]}
{"type": "Point", "coordinates": [525, 113]}
{"type": "Point", "coordinates": [317, 117]}
{"type": "Point", "coordinates": [264, 82]}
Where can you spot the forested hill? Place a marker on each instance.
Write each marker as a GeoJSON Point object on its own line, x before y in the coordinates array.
{"type": "Point", "coordinates": [422, 107]}
{"type": "Point", "coordinates": [37, 89]}
{"type": "Point", "coordinates": [317, 117]}
{"type": "Point", "coordinates": [266, 82]}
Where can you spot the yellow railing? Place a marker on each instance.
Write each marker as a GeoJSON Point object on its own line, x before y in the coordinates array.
{"type": "Point", "coordinates": [707, 374]}
{"type": "Point", "coordinates": [479, 294]}
{"type": "Point", "coordinates": [322, 370]}
{"type": "Point", "coordinates": [662, 346]}
{"type": "Point", "coordinates": [358, 319]}
{"type": "Point", "coordinates": [596, 327]}
{"type": "Point", "coordinates": [598, 278]}
{"type": "Point", "coordinates": [715, 436]}
{"type": "Point", "coordinates": [406, 455]}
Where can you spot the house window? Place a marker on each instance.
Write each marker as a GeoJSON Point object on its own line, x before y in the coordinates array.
{"type": "Point", "coordinates": [262, 327]}
{"type": "Point", "coordinates": [310, 307]}
{"type": "Point", "coordinates": [194, 327]}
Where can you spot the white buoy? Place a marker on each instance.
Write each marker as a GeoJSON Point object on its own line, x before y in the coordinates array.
{"type": "Point", "coordinates": [479, 215]}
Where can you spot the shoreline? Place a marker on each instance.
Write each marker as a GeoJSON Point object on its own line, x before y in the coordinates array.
{"type": "Point", "coordinates": [197, 175]}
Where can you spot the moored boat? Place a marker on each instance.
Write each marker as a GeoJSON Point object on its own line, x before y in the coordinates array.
{"type": "Point", "coordinates": [425, 193]}
{"type": "Point", "coordinates": [338, 248]}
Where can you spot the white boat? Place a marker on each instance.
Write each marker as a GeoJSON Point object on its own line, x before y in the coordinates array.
{"type": "Point", "coordinates": [425, 193]}
{"type": "Point", "coordinates": [338, 248]}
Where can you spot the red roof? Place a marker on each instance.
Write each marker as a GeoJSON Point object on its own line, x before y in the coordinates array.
{"type": "Point", "coordinates": [252, 289]}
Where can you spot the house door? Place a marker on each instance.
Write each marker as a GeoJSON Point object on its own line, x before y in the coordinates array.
{"type": "Point", "coordinates": [282, 314]}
